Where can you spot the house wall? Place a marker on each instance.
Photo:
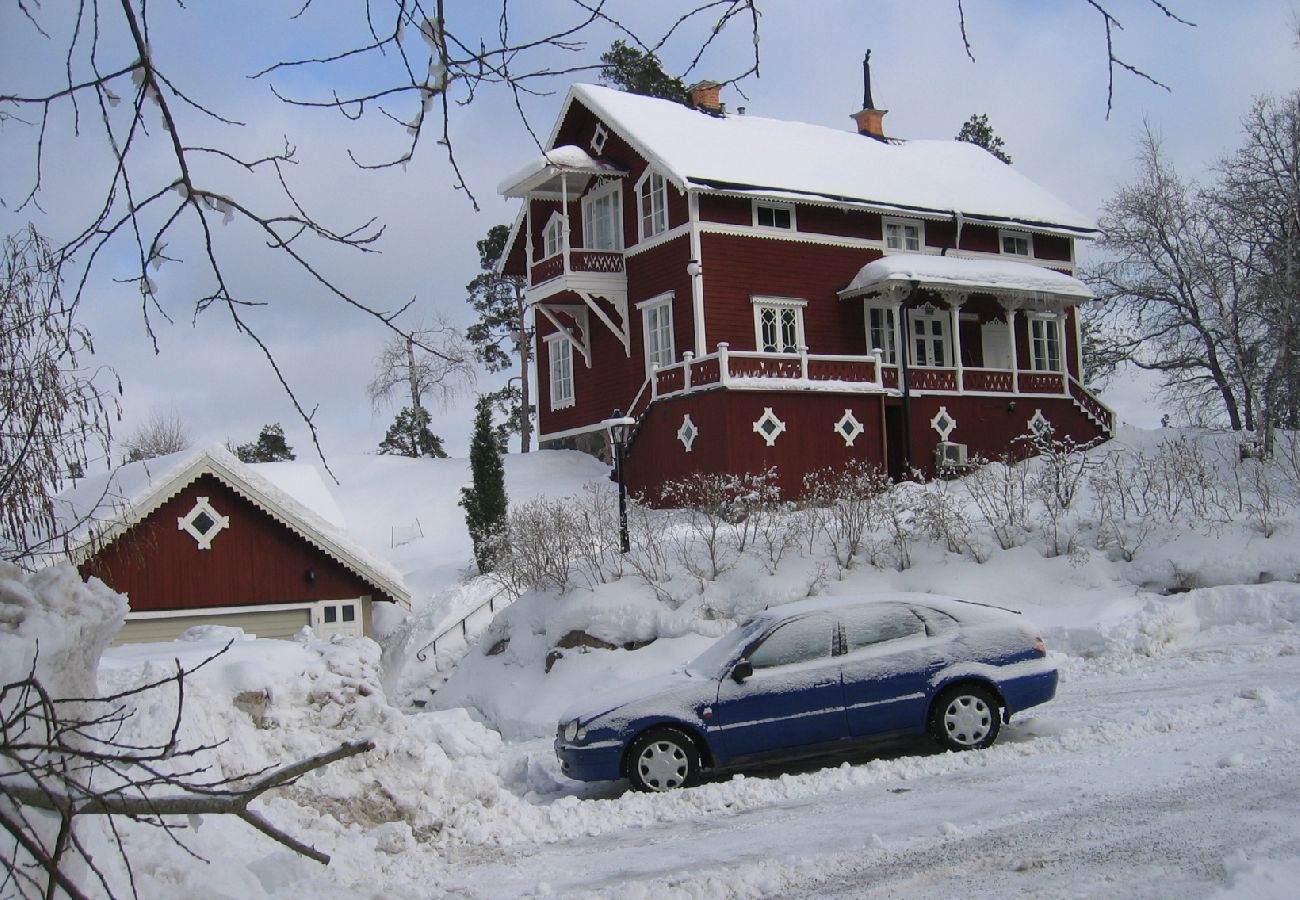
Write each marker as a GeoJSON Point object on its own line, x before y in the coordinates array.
{"type": "Point", "coordinates": [254, 561]}
{"type": "Point", "coordinates": [727, 441]}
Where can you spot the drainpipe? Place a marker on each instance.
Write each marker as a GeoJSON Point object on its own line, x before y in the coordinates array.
{"type": "Point", "coordinates": [903, 379]}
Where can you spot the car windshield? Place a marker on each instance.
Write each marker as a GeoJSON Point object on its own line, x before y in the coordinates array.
{"type": "Point", "coordinates": [712, 662]}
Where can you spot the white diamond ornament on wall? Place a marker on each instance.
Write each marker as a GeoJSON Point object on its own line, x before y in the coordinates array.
{"type": "Point", "coordinates": [848, 427]}
{"type": "Point", "coordinates": [202, 523]}
{"type": "Point", "coordinates": [1039, 427]}
{"type": "Point", "coordinates": [688, 432]}
{"type": "Point", "coordinates": [944, 423]}
{"type": "Point", "coordinates": [768, 426]}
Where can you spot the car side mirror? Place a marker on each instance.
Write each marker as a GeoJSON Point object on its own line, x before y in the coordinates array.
{"type": "Point", "coordinates": [742, 670]}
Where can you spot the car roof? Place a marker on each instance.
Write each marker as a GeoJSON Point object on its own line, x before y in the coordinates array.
{"type": "Point", "coordinates": [961, 610]}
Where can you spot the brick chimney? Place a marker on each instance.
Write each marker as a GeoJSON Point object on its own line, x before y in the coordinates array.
{"type": "Point", "coordinates": [706, 96]}
{"type": "Point", "coordinates": [870, 121]}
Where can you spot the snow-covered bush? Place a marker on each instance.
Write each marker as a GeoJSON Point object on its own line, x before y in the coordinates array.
{"type": "Point", "coordinates": [1000, 491]}
{"type": "Point", "coordinates": [847, 506]}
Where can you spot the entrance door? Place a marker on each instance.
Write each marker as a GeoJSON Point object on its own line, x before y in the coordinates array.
{"type": "Point", "coordinates": [331, 617]}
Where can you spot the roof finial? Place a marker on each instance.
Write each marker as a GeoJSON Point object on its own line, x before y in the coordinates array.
{"type": "Point", "coordinates": [866, 82]}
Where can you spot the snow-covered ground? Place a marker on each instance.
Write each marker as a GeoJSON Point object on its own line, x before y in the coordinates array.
{"type": "Point", "coordinates": [1163, 767]}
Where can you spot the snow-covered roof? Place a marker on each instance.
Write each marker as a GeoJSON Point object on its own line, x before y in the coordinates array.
{"type": "Point", "coordinates": [954, 272]}
{"type": "Point", "coordinates": [566, 159]}
{"type": "Point", "coordinates": [102, 507]}
{"type": "Point", "coordinates": [795, 160]}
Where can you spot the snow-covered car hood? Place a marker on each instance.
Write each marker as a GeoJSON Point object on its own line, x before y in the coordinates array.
{"type": "Point", "coordinates": [655, 690]}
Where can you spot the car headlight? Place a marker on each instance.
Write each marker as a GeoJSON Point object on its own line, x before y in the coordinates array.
{"type": "Point", "coordinates": [571, 730]}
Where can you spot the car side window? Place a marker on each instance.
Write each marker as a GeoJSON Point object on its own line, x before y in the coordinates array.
{"type": "Point", "coordinates": [799, 641]}
{"type": "Point", "coordinates": [869, 625]}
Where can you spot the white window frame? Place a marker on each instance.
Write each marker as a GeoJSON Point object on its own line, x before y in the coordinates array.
{"type": "Point", "coordinates": [1046, 338]}
{"type": "Point", "coordinates": [651, 187]}
{"type": "Point", "coordinates": [559, 361]}
{"type": "Point", "coordinates": [774, 207]}
{"type": "Point", "coordinates": [902, 247]}
{"type": "Point", "coordinates": [778, 305]}
{"type": "Point", "coordinates": [929, 318]}
{"type": "Point", "coordinates": [1005, 234]}
{"type": "Point", "coordinates": [888, 345]}
{"type": "Point", "coordinates": [553, 236]}
{"type": "Point", "coordinates": [656, 327]}
{"type": "Point", "coordinates": [609, 190]}
{"type": "Point", "coordinates": [598, 138]}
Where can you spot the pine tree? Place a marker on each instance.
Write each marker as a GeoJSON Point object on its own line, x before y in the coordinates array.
{"type": "Point", "coordinates": [503, 334]}
{"type": "Point", "coordinates": [979, 132]}
{"type": "Point", "coordinates": [631, 70]}
{"type": "Point", "coordinates": [485, 500]}
{"type": "Point", "coordinates": [409, 435]}
{"type": "Point", "coordinates": [269, 447]}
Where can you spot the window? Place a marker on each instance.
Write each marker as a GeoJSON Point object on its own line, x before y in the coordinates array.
{"type": "Point", "coordinates": [802, 640]}
{"type": "Point", "coordinates": [559, 350]}
{"type": "Point", "coordinates": [203, 523]}
{"type": "Point", "coordinates": [598, 138]}
{"type": "Point", "coordinates": [601, 218]}
{"type": "Point", "coordinates": [900, 234]}
{"type": "Point", "coordinates": [929, 338]}
{"type": "Point", "coordinates": [874, 625]}
{"type": "Point", "coordinates": [657, 323]}
{"type": "Point", "coordinates": [652, 191]}
{"type": "Point", "coordinates": [774, 215]}
{"type": "Point", "coordinates": [1045, 345]}
{"type": "Point", "coordinates": [880, 335]}
{"type": "Point", "coordinates": [1016, 243]}
{"type": "Point", "coordinates": [553, 236]}
{"type": "Point", "coordinates": [778, 325]}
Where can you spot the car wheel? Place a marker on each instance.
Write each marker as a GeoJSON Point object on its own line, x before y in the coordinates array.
{"type": "Point", "coordinates": [965, 717]}
{"type": "Point", "coordinates": [662, 759]}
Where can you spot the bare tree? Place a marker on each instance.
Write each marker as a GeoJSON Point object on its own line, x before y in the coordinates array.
{"type": "Point", "coordinates": [56, 411]}
{"type": "Point", "coordinates": [432, 360]}
{"type": "Point", "coordinates": [66, 756]}
{"type": "Point", "coordinates": [162, 434]}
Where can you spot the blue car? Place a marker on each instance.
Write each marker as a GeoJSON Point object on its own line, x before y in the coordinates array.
{"type": "Point", "coordinates": [813, 678]}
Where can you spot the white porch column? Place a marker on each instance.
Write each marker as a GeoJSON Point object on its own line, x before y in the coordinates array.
{"type": "Point", "coordinates": [564, 218]}
{"type": "Point", "coordinates": [528, 237]}
{"type": "Point", "coordinates": [954, 311]}
{"type": "Point", "coordinates": [1015, 355]}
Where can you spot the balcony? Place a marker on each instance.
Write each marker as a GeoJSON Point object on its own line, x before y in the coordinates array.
{"type": "Point", "coordinates": [598, 272]}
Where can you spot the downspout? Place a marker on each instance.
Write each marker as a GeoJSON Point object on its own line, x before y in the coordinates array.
{"type": "Point", "coordinates": [957, 222]}
{"type": "Point", "coordinates": [903, 377]}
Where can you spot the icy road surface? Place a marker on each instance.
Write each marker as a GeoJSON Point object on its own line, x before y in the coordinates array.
{"type": "Point", "coordinates": [1147, 777]}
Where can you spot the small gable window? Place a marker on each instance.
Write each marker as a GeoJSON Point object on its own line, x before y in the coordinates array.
{"type": "Point", "coordinates": [1016, 243]}
{"type": "Point", "coordinates": [553, 236]}
{"type": "Point", "coordinates": [598, 138]}
{"type": "Point", "coordinates": [203, 523]}
{"type": "Point", "coordinates": [652, 191]}
{"type": "Point", "coordinates": [904, 234]}
{"type": "Point", "coordinates": [774, 215]}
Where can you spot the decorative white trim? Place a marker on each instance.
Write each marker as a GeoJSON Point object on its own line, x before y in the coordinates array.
{"type": "Point", "coordinates": [221, 610]}
{"type": "Point", "coordinates": [768, 426]}
{"type": "Point", "coordinates": [599, 137]}
{"type": "Point", "coordinates": [1039, 426]}
{"type": "Point", "coordinates": [848, 427]}
{"type": "Point", "coordinates": [202, 536]}
{"type": "Point", "coordinates": [943, 423]}
{"type": "Point", "coordinates": [688, 432]}
{"type": "Point", "coordinates": [671, 234]}
{"type": "Point", "coordinates": [776, 206]}
{"type": "Point", "coordinates": [901, 222]}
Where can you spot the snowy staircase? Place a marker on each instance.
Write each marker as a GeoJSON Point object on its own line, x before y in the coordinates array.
{"type": "Point", "coordinates": [1099, 413]}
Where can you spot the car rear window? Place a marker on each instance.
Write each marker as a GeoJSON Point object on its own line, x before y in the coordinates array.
{"type": "Point", "coordinates": [868, 625]}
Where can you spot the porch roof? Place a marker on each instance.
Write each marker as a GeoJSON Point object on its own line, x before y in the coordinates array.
{"type": "Point", "coordinates": [542, 175]}
{"type": "Point", "coordinates": [953, 273]}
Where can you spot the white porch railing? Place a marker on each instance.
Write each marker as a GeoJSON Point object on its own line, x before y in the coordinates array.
{"type": "Point", "coordinates": [756, 370]}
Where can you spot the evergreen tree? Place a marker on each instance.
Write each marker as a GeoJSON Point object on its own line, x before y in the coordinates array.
{"type": "Point", "coordinates": [409, 435]}
{"type": "Point", "coordinates": [269, 447]}
{"type": "Point", "coordinates": [979, 132]}
{"type": "Point", "coordinates": [485, 500]}
{"type": "Point", "coordinates": [636, 72]}
{"type": "Point", "coordinates": [503, 334]}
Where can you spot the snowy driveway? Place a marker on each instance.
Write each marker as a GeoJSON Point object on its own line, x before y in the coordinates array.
{"type": "Point", "coordinates": [1150, 777]}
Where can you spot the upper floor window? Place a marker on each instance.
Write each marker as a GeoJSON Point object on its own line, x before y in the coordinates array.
{"type": "Point", "coordinates": [929, 337]}
{"type": "Point", "coordinates": [598, 138]}
{"type": "Point", "coordinates": [559, 353]}
{"type": "Point", "coordinates": [1045, 345]}
{"type": "Point", "coordinates": [652, 190]}
{"type": "Point", "coordinates": [553, 236]}
{"type": "Point", "coordinates": [881, 334]}
{"type": "Point", "coordinates": [602, 218]}
{"type": "Point", "coordinates": [778, 324]}
{"type": "Point", "coordinates": [904, 234]}
{"type": "Point", "coordinates": [1016, 243]}
{"type": "Point", "coordinates": [774, 215]}
{"type": "Point", "coordinates": [657, 322]}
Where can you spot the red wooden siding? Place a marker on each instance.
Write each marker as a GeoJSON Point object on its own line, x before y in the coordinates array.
{"type": "Point", "coordinates": [727, 441]}
{"type": "Point", "coordinates": [256, 560]}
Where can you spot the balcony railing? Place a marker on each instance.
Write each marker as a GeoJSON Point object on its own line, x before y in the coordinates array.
{"type": "Point", "coordinates": [597, 262]}
{"type": "Point", "coordinates": [754, 370]}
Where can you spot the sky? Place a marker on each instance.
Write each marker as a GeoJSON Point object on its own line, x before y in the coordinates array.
{"type": "Point", "coordinates": [1039, 74]}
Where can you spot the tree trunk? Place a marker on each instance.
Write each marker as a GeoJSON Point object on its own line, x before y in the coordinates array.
{"type": "Point", "coordinates": [525, 361]}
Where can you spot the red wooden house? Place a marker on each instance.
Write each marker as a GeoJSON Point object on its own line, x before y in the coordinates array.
{"type": "Point", "coordinates": [203, 539]}
{"type": "Point", "coordinates": [761, 293]}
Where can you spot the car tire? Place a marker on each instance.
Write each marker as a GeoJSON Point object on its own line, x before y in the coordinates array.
{"type": "Point", "coordinates": [662, 759]}
{"type": "Point", "coordinates": [965, 717]}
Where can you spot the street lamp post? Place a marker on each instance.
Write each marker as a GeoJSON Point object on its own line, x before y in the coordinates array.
{"type": "Point", "coordinates": [619, 428]}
